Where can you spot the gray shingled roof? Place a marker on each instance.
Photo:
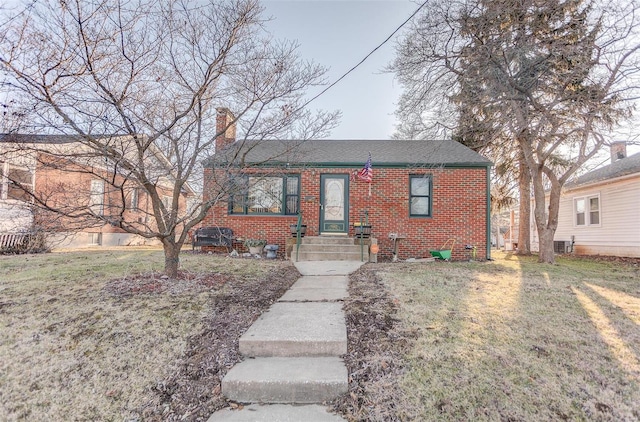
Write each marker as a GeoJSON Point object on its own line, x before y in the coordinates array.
{"type": "Point", "coordinates": [355, 153]}
{"type": "Point", "coordinates": [622, 167]}
{"type": "Point", "coordinates": [38, 139]}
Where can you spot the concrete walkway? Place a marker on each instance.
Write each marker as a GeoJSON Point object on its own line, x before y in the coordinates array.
{"type": "Point", "coordinates": [292, 352]}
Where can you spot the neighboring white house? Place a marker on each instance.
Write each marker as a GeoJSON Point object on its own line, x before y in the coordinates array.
{"type": "Point", "coordinates": [600, 210]}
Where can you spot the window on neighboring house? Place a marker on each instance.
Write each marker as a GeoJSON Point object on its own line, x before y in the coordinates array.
{"type": "Point", "coordinates": [96, 200]}
{"type": "Point", "coordinates": [420, 196]}
{"type": "Point", "coordinates": [15, 182]}
{"type": "Point", "coordinates": [265, 195]}
{"type": "Point", "coordinates": [166, 201]}
{"type": "Point", "coordinates": [134, 199]}
{"type": "Point", "coordinates": [95, 238]}
{"type": "Point", "coordinates": [587, 210]}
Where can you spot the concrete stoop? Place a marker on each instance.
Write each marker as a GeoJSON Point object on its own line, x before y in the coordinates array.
{"type": "Point", "coordinates": [330, 248]}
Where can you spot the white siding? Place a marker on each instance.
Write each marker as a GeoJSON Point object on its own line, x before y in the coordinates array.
{"type": "Point", "coordinates": [619, 229]}
{"type": "Point", "coordinates": [15, 216]}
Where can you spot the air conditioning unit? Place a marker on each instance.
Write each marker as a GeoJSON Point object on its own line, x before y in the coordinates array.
{"type": "Point", "coordinates": [562, 246]}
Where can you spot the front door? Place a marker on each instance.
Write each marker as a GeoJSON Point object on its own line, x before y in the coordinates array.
{"type": "Point", "coordinates": [334, 203]}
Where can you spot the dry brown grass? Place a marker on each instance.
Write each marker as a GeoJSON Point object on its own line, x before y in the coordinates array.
{"type": "Point", "coordinates": [84, 337]}
{"type": "Point", "coordinates": [516, 340]}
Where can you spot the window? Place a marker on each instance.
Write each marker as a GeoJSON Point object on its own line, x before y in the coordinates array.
{"type": "Point", "coordinates": [15, 182]}
{"type": "Point", "coordinates": [420, 196]}
{"type": "Point", "coordinates": [95, 238]}
{"type": "Point", "coordinates": [256, 195]}
{"type": "Point", "coordinates": [167, 202]}
{"type": "Point", "coordinates": [587, 210]}
{"type": "Point", "coordinates": [134, 199]}
{"type": "Point", "coordinates": [96, 199]}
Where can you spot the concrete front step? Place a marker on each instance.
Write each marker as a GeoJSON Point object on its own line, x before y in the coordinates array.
{"type": "Point", "coordinates": [332, 248]}
{"type": "Point", "coordinates": [327, 240]}
{"type": "Point", "coordinates": [297, 329]}
{"type": "Point", "coordinates": [330, 256]}
{"type": "Point", "coordinates": [286, 380]}
{"type": "Point", "coordinates": [328, 248]}
{"type": "Point", "coordinates": [275, 412]}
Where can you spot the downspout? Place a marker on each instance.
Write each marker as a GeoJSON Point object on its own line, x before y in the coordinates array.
{"type": "Point", "coordinates": [488, 236]}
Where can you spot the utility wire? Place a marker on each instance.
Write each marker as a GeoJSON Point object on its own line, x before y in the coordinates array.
{"type": "Point", "coordinates": [334, 83]}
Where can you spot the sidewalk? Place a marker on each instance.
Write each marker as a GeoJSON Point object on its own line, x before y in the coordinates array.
{"type": "Point", "coordinates": [292, 352]}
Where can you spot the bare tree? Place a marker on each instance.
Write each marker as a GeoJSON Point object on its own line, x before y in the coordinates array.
{"type": "Point", "coordinates": [546, 80]}
{"type": "Point", "coordinates": [137, 84]}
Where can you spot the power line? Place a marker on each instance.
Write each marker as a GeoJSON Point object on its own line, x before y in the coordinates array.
{"type": "Point", "coordinates": [365, 57]}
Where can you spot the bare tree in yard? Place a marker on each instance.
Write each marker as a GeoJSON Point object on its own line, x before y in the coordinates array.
{"type": "Point", "coordinates": [137, 83]}
{"type": "Point", "coordinates": [537, 84]}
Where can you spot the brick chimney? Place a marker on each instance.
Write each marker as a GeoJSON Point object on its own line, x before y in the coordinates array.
{"type": "Point", "coordinates": [225, 129]}
{"type": "Point", "coordinates": [618, 151]}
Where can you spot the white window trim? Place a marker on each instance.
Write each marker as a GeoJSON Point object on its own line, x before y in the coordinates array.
{"type": "Point", "coordinates": [5, 167]}
{"type": "Point", "coordinates": [4, 180]}
{"type": "Point", "coordinates": [587, 213]}
{"type": "Point", "coordinates": [96, 196]}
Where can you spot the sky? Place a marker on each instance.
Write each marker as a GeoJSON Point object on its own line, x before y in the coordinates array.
{"type": "Point", "coordinates": [338, 34]}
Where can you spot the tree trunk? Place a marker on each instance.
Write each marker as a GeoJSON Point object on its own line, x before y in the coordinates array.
{"type": "Point", "coordinates": [546, 217]}
{"type": "Point", "coordinates": [546, 253]}
{"type": "Point", "coordinates": [524, 220]}
{"type": "Point", "coordinates": [171, 257]}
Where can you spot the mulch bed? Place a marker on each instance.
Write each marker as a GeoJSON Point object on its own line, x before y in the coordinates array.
{"type": "Point", "coordinates": [376, 346]}
{"type": "Point", "coordinates": [193, 392]}
{"type": "Point", "coordinates": [632, 262]}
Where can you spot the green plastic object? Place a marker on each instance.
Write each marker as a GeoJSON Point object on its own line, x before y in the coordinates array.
{"type": "Point", "coordinates": [442, 254]}
{"type": "Point", "coordinates": [445, 251]}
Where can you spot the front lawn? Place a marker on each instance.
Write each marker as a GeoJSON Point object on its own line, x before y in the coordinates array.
{"type": "Point", "coordinates": [100, 335]}
{"type": "Point", "coordinates": [504, 340]}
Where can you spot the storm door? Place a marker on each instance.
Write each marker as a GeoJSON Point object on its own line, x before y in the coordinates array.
{"type": "Point", "coordinates": [334, 200]}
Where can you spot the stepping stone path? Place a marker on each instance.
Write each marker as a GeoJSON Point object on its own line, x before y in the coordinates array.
{"type": "Point", "coordinates": [292, 352]}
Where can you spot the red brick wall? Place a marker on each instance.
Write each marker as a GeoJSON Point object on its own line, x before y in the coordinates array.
{"type": "Point", "coordinates": [459, 209]}
{"type": "Point", "coordinates": [66, 185]}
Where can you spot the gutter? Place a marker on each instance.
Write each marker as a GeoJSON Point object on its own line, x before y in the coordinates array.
{"type": "Point", "coordinates": [488, 234]}
{"type": "Point", "coordinates": [424, 166]}
{"type": "Point", "coordinates": [600, 182]}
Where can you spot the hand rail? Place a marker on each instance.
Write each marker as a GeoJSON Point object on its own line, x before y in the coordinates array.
{"type": "Point", "coordinates": [366, 218]}
{"type": "Point", "coordinates": [298, 231]}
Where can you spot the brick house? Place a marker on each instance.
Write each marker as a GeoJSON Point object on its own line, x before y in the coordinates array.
{"type": "Point", "coordinates": [54, 167]}
{"type": "Point", "coordinates": [425, 192]}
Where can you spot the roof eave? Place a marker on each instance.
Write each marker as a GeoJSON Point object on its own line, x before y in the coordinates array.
{"type": "Point", "coordinates": [211, 163]}
{"type": "Point", "coordinates": [605, 181]}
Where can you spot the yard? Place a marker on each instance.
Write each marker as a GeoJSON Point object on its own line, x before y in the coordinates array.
{"type": "Point", "coordinates": [504, 340]}
{"type": "Point", "coordinates": [99, 335]}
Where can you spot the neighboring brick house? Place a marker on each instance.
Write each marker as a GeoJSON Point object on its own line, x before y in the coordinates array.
{"type": "Point", "coordinates": [43, 164]}
{"type": "Point", "coordinates": [600, 210]}
{"type": "Point", "coordinates": [425, 191]}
